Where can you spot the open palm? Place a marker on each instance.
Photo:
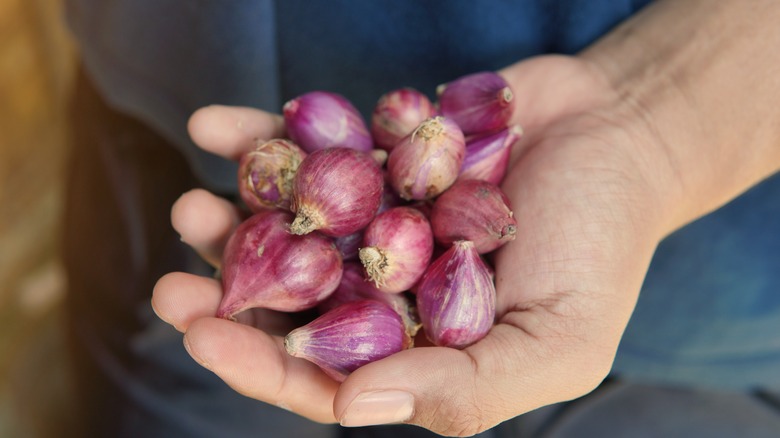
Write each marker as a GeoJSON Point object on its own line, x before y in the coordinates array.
{"type": "Point", "coordinates": [584, 189]}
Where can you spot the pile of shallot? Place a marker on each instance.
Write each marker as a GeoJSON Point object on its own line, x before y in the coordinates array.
{"type": "Point", "coordinates": [381, 227]}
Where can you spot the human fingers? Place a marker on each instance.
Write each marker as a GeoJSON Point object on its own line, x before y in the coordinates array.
{"type": "Point", "coordinates": [256, 365]}
{"type": "Point", "coordinates": [464, 392]}
{"type": "Point", "coordinates": [549, 88]}
{"type": "Point", "coordinates": [229, 131]}
{"type": "Point", "coordinates": [558, 326]}
{"type": "Point", "coordinates": [180, 298]}
{"type": "Point", "coordinates": [204, 221]}
{"type": "Point", "coordinates": [565, 290]}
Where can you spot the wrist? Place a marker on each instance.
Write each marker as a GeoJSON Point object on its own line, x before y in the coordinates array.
{"type": "Point", "coordinates": [682, 74]}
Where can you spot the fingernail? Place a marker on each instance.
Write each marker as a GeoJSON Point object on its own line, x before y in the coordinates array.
{"type": "Point", "coordinates": [197, 359]}
{"type": "Point", "coordinates": [378, 407]}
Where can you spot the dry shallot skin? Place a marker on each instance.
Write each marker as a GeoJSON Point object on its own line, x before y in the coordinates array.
{"type": "Point", "coordinates": [264, 266]}
{"type": "Point", "coordinates": [321, 119]}
{"type": "Point", "coordinates": [350, 336]}
{"type": "Point", "coordinates": [473, 210]}
{"type": "Point", "coordinates": [478, 103]}
{"type": "Point", "coordinates": [355, 287]}
{"type": "Point", "coordinates": [456, 298]}
{"type": "Point", "coordinates": [397, 247]}
{"type": "Point", "coordinates": [265, 174]}
{"type": "Point", "coordinates": [427, 161]}
{"type": "Point", "coordinates": [336, 191]}
{"type": "Point", "coordinates": [397, 113]}
{"type": "Point", "coordinates": [379, 155]}
{"type": "Point", "coordinates": [487, 156]}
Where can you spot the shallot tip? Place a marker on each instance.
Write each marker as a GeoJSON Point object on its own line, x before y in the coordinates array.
{"type": "Point", "coordinates": [375, 263]}
{"type": "Point", "coordinates": [306, 220]}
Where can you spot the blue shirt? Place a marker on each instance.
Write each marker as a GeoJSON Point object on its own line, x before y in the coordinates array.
{"type": "Point", "coordinates": [709, 311]}
{"type": "Point", "coordinates": [160, 60]}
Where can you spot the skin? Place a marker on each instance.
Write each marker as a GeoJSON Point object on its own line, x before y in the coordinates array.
{"type": "Point", "coordinates": [657, 124]}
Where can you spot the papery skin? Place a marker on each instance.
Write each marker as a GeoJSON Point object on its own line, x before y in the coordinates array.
{"type": "Point", "coordinates": [350, 336]}
{"type": "Point", "coordinates": [355, 287]}
{"type": "Point", "coordinates": [265, 174]}
{"type": "Point", "coordinates": [397, 113]}
{"type": "Point", "coordinates": [264, 266]}
{"type": "Point", "coordinates": [478, 103]}
{"type": "Point", "coordinates": [397, 247]}
{"type": "Point", "coordinates": [487, 156]}
{"type": "Point", "coordinates": [379, 155]}
{"type": "Point", "coordinates": [321, 119]}
{"type": "Point", "coordinates": [427, 161]}
{"type": "Point", "coordinates": [473, 210]}
{"type": "Point", "coordinates": [336, 191]}
{"type": "Point", "coordinates": [456, 298]}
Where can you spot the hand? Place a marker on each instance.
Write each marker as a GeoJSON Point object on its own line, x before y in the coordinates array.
{"type": "Point", "coordinates": [613, 159]}
{"type": "Point", "coordinates": [566, 286]}
{"type": "Point", "coordinates": [247, 354]}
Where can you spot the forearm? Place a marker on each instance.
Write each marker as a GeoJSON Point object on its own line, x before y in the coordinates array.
{"type": "Point", "coordinates": [704, 78]}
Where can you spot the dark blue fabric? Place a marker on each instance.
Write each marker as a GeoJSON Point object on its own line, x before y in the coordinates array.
{"type": "Point", "coordinates": [160, 60]}
{"type": "Point", "coordinates": [709, 310]}
{"type": "Point", "coordinates": [362, 49]}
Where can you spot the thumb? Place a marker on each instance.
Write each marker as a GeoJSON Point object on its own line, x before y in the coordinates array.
{"type": "Point", "coordinates": [409, 387]}
{"type": "Point", "coordinates": [549, 87]}
{"type": "Point", "coordinates": [456, 392]}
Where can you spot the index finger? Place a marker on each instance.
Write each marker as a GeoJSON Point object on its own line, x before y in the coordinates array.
{"type": "Point", "coordinates": [229, 131]}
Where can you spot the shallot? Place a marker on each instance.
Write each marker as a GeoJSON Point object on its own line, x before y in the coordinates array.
{"type": "Point", "coordinates": [265, 174]}
{"type": "Point", "coordinates": [266, 266]}
{"type": "Point", "coordinates": [321, 119]}
{"type": "Point", "coordinates": [349, 245]}
{"type": "Point", "coordinates": [487, 156]}
{"type": "Point", "coordinates": [336, 191]}
{"type": "Point", "coordinates": [427, 161]}
{"type": "Point", "coordinates": [355, 287]}
{"type": "Point", "coordinates": [397, 247]}
{"type": "Point", "coordinates": [488, 221]}
{"type": "Point", "coordinates": [479, 102]}
{"type": "Point", "coordinates": [390, 198]}
{"type": "Point", "coordinates": [397, 113]}
{"type": "Point", "coordinates": [348, 337]}
{"type": "Point", "coordinates": [456, 297]}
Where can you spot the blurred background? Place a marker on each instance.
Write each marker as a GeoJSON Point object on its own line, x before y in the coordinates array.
{"type": "Point", "coordinates": [36, 66]}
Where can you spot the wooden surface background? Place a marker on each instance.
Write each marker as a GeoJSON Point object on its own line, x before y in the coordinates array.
{"type": "Point", "coordinates": [36, 64]}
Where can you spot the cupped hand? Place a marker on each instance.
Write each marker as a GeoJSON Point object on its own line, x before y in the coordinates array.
{"type": "Point", "coordinates": [587, 185]}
